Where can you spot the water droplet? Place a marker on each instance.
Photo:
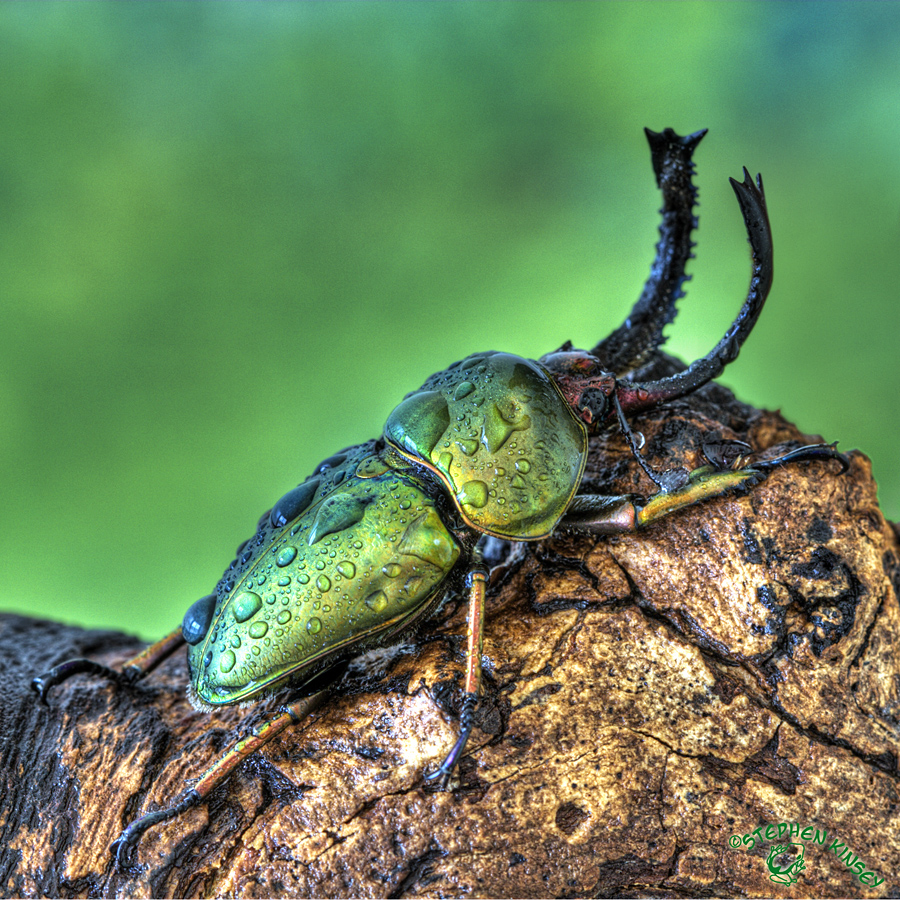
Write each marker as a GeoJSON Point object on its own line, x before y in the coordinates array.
{"type": "Point", "coordinates": [392, 570]}
{"type": "Point", "coordinates": [518, 481]}
{"type": "Point", "coordinates": [346, 568]}
{"type": "Point", "coordinates": [463, 389]}
{"type": "Point", "coordinates": [227, 661]}
{"type": "Point", "coordinates": [314, 625]}
{"type": "Point", "coordinates": [473, 493]}
{"type": "Point", "coordinates": [246, 604]}
{"type": "Point", "coordinates": [405, 504]}
{"type": "Point", "coordinates": [284, 581]}
{"type": "Point", "coordinates": [323, 583]}
{"type": "Point", "coordinates": [255, 650]}
{"type": "Point", "coordinates": [377, 602]}
{"type": "Point", "coordinates": [293, 503]}
{"type": "Point", "coordinates": [258, 629]}
{"type": "Point", "coordinates": [444, 461]}
{"type": "Point", "coordinates": [358, 545]}
{"type": "Point", "coordinates": [235, 642]}
{"type": "Point", "coordinates": [260, 580]}
{"type": "Point", "coordinates": [284, 617]}
{"type": "Point", "coordinates": [468, 447]}
{"type": "Point", "coordinates": [523, 466]}
{"type": "Point", "coordinates": [286, 556]}
{"type": "Point", "coordinates": [207, 659]}
{"type": "Point", "coordinates": [303, 578]}
{"type": "Point", "coordinates": [198, 618]}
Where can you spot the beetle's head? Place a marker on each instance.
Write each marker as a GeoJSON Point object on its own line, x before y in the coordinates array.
{"type": "Point", "coordinates": [587, 388]}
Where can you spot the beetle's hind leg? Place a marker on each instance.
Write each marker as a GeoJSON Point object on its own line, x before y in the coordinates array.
{"type": "Point", "coordinates": [477, 584]}
{"type": "Point", "coordinates": [133, 670]}
{"type": "Point", "coordinates": [260, 735]}
{"type": "Point", "coordinates": [627, 513]}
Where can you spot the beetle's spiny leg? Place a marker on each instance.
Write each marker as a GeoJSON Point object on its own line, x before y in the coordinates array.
{"type": "Point", "coordinates": [477, 581]}
{"type": "Point", "coordinates": [642, 332]}
{"type": "Point", "coordinates": [643, 395]}
{"type": "Point", "coordinates": [218, 772]}
{"type": "Point", "coordinates": [133, 670]}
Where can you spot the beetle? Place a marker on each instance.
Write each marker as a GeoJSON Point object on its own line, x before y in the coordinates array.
{"type": "Point", "coordinates": [366, 549]}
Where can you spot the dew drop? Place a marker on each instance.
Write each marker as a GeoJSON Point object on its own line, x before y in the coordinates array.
{"type": "Point", "coordinates": [323, 583]}
{"type": "Point", "coordinates": [258, 629]}
{"type": "Point", "coordinates": [303, 578]}
{"type": "Point", "coordinates": [226, 663]}
{"type": "Point", "coordinates": [284, 581]}
{"type": "Point", "coordinates": [235, 642]}
{"type": "Point", "coordinates": [346, 568]}
{"type": "Point", "coordinates": [523, 466]}
{"type": "Point", "coordinates": [286, 557]}
{"type": "Point", "coordinates": [377, 602]}
{"type": "Point", "coordinates": [284, 617]}
{"type": "Point", "coordinates": [392, 570]}
{"type": "Point", "coordinates": [463, 389]}
{"type": "Point", "coordinates": [246, 604]}
{"type": "Point", "coordinates": [314, 625]}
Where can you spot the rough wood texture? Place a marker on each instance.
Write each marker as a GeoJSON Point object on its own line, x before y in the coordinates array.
{"type": "Point", "coordinates": [646, 698]}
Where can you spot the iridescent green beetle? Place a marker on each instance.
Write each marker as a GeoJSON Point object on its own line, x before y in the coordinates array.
{"type": "Point", "coordinates": [366, 548]}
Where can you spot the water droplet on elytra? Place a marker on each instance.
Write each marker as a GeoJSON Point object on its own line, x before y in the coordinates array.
{"type": "Point", "coordinates": [246, 604]}
{"type": "Point", "coordinates": [346, 568]}
{"type": "Point", "coordinates": [314, 625]}
{"type": "Point", "coordinates": [286, 556]}
{"type": "Point", "coordinates": [258, 629]}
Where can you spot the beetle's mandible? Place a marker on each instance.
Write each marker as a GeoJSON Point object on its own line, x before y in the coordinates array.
{"type": "Point", "coordinates": [366, 548]}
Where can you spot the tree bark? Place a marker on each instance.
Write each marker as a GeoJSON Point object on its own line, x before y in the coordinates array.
{"type": "Point", "coordinates": [648, 701]}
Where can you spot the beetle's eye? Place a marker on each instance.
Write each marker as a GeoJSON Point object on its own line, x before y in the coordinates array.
{"type": "Point", "coordinates": [293, 503]}
{"type": "Point", "coordinates": [594, 400]}
{"type": "Point", "coordinates": [197, 619]}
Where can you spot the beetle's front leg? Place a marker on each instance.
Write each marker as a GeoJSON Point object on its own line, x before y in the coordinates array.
{"type": "Point", "coordinates": [615, 515]}
{"type": "Point", "coordinates": [133, 670]}
{"type": "Point", "coordinates": [477, 583]}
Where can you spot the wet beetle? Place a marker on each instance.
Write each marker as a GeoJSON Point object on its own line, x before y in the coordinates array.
{"type": "Point", "coordinates": [365, 549]}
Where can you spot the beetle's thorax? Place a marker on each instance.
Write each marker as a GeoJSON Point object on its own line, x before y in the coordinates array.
{"type": "Point", "coordinates": [501, 438]}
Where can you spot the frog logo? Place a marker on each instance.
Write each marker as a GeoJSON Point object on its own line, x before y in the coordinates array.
{"type": "Point", "coordinates": [785, 862]}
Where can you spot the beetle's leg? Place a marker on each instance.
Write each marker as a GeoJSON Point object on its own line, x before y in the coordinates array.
{"type": "Point", "coordinates": [642, 332]}
{"type": "Point", "coordinates": [477, 582]}
{"type": "Point", "coordinates": [260, 735]}
{"type": "Point", "coordinates": [615, 515]}
{"type": "Point", "coordinates": [132, 671]}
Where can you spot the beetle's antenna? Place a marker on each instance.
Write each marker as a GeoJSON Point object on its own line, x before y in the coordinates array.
{"type": "Point", "coordinates": [641, 333]}
{"type": "Point", "coordinates": [670, 480]}
{"type": "Point", "coordinates": [642, 395]}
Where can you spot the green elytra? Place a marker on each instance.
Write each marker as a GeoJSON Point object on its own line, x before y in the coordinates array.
{"type": "Point", "coordinates": [367, 547]}
{"type": "Point", "coordinates": [365, 550]}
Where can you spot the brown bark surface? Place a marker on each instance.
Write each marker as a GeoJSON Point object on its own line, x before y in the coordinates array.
{"type": "Point", "coordinates": [646, 698]}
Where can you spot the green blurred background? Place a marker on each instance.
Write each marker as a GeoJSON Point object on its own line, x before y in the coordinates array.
{"type": "Point", "coordinates": [234, 235]}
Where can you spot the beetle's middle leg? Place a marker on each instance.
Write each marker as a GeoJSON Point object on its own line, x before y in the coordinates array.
{"type": "Point", "coordinates": [133, 670]}
{"type": "Point", "coordinates": [477, 583]}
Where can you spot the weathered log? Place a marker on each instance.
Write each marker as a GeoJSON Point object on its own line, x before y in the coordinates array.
{"type": "Point", "coordinates": [647, 698]}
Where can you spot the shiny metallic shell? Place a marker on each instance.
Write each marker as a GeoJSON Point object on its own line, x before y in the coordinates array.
{"type": "Point", "coordinates": [498, 433]}
{"type": "Point", "coordinates": [362, 556]}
